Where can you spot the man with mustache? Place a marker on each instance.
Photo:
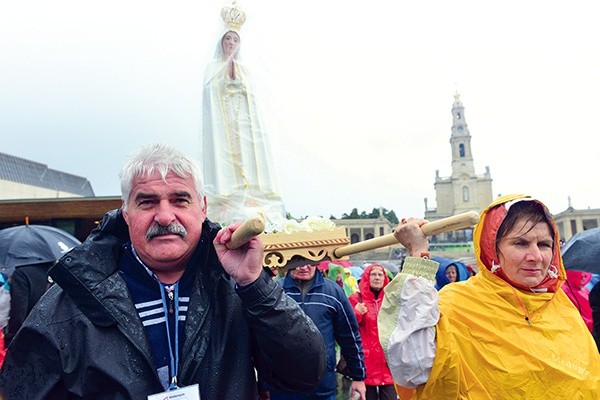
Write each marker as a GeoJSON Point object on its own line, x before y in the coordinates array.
{"type": "Point", "coordinates": [154, 305]}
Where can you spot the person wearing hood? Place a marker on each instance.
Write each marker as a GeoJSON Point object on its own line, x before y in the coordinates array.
{"type": "Point", "coordinates": [509, 332]}
{"type": "Point", "coordinates": [335, 272]}
{"type": "Point", "coordinates": [449, 271]}
{"type": "Point", "coordinates": [155, 305]}
{"type": "Point", "coordinates": [366, 303]}
{"type": "Point", "coordinates": [350, 280]}
{"type": "Point", "coordinates": [574, 287]}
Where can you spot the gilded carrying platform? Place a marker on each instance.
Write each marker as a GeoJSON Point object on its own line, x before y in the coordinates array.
{"type": "Point", "coordinates": [284, 249]}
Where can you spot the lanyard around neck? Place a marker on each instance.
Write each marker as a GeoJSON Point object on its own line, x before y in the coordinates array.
{"type": "Point", "coordinates": [173, 350]}
{"type": "Point", "coordinates": [174, 292]}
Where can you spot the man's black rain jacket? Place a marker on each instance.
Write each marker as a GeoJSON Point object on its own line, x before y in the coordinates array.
{"type": "Point", "coordinates": [84, 339]}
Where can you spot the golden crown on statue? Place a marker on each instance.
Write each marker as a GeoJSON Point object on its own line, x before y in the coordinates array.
{"type": "Point", "coordinates": [233, 17]}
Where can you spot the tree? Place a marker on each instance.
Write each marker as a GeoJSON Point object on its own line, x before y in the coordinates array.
{"type": "Point", "coordinates": [374, 213]}
{"type": "Point", "coordinates": [353, 214]}
{"type": "Point", "coordinates": [389, 215]}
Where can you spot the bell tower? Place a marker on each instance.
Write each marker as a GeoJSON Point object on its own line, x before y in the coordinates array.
{"type": "Point", "coordinates": [460, 142]}
{"type": "Point", "coordinates": [463, 190]}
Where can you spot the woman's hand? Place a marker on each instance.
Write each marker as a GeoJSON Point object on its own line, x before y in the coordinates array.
{"type": "Point", "coordinates": [361, 308]}
{"type": "Point", "coordinates": [410, 235]}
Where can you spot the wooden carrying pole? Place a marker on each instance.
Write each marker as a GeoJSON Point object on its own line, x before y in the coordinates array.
{"type": "Point", "coordinates": [249, 228]}
{"type": "Point", "coordinates": [256, 225]}
{"type": "Point", "coordinates": [453, 223]}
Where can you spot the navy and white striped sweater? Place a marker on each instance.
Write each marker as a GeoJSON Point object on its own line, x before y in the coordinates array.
{"type": "Point", "coordinates": [145, 291]}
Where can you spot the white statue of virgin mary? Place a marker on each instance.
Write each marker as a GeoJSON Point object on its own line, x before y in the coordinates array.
{"type": "Point", "coordinates": [239, 177]}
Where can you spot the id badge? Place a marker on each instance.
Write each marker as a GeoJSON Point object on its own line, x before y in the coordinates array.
{"type": "Point", "coordinates": [185, 393]}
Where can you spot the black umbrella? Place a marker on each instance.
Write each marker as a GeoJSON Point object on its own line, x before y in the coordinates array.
{"type": "Point", "coordinates": [582, 251]}
{"type": "Point", "coordinates": [32, 244]}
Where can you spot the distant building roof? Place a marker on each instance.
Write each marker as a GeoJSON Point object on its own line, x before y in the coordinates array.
{"type": "Point", "coordinates": [27, 172]}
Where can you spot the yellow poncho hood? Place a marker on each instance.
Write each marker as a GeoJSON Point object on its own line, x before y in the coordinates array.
{"type": "Point", "coordinates": [484, 240]}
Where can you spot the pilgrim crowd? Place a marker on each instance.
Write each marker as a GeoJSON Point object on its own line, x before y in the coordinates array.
{"type": "Point", "coordinates": [159, 302]}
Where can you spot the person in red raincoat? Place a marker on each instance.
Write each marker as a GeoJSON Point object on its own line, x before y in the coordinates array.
{"type": "Point", "coordinates": [573, 287]}
{"type": "Point", "coordinates": [366, 304]}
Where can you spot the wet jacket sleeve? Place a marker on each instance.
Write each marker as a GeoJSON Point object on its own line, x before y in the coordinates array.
{"type": "Point", "coordinates": [31, 368]}
{"type": "Point", "coordinates": [407, 320]}
{"type": "Point", "coordinates": [288, 347]}
{"type": "Point", "coordinates": [347, 335]}
{"type": "Point", "coordinates": [354, 300]}
{"type": "Point", "coordinates": [19, 303]}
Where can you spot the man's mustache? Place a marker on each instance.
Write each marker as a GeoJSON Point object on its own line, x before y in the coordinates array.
{"type": "Point", "coordinates": [173, 228]}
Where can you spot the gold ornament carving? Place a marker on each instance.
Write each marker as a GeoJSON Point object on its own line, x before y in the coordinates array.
{"type": "Point", "coordinates": [299, 248]}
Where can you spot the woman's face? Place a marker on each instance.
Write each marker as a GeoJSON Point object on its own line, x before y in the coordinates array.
{"type": "Point", "coordinates": [525, 252]}
{"type": "Point", "coordinates": [376, 278]}
{"type": "Point", "coordinates": [230, 43]}
{"type": "Point", "coordinates": [451, 273]}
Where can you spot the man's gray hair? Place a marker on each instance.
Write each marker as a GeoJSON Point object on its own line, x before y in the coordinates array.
{"type": "Point", "coordinates": [162, 158]}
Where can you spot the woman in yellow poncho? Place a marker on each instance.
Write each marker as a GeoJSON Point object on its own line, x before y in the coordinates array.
{"type": "Point", "coordinates": [350, 280]}
{"type": "Point", "coordinates": [510, 332]}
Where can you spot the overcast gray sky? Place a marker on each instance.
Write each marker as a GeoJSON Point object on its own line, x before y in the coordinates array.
{"type": "Point", "coordinates": [361, 92]}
